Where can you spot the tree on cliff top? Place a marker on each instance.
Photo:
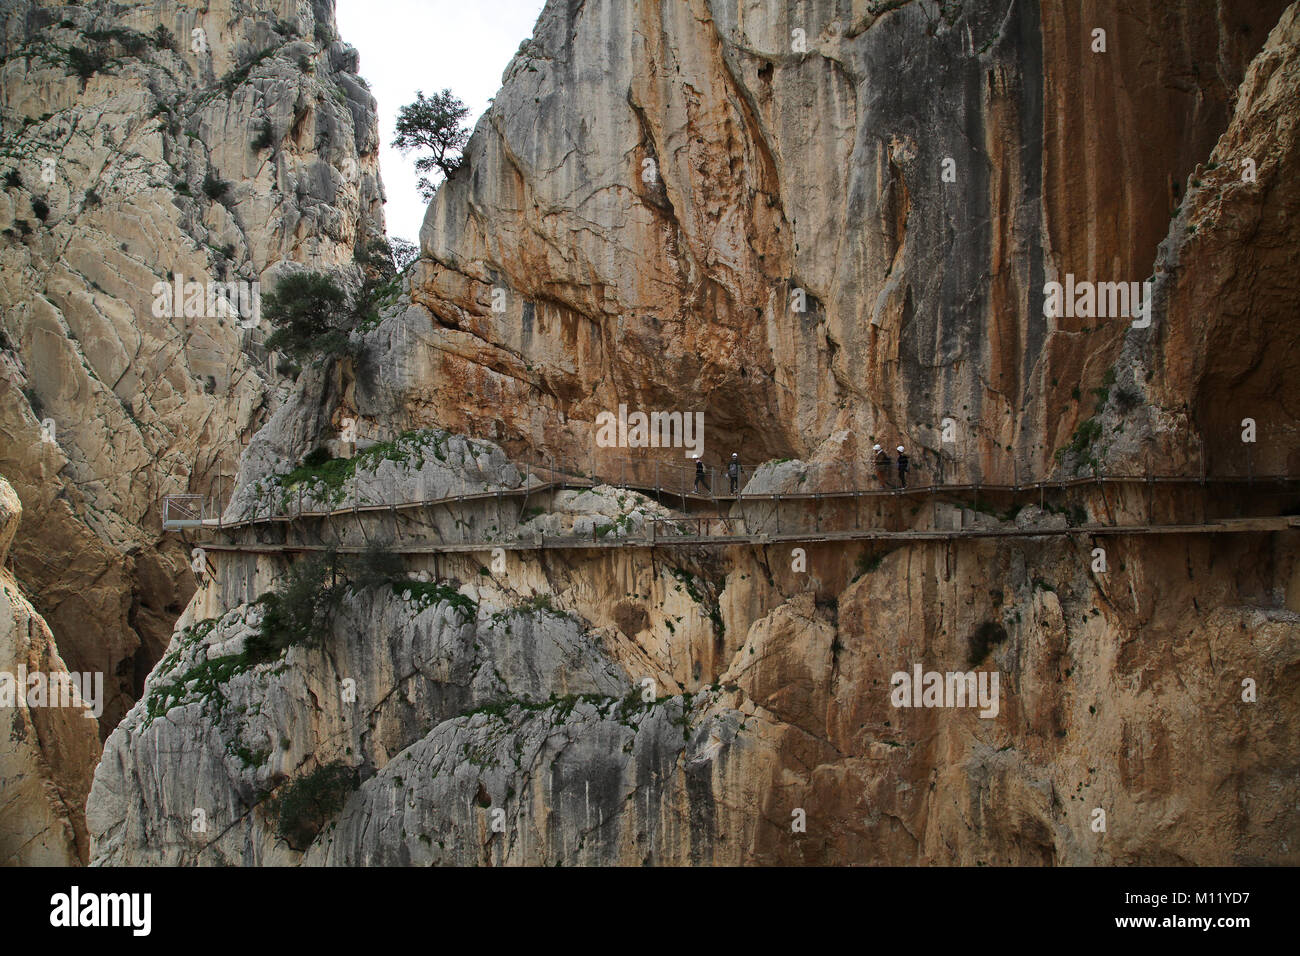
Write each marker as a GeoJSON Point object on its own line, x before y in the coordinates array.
{"type": "Point", "coordinates": [436, 124]}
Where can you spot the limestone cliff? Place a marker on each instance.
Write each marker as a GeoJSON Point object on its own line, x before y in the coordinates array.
{"type": "Point", "coordinates": [655, 190]}
{"type": "Point", "coordinates": [219, 141]}
{"type": "Point", "coordinates": [693, 171]}
{"type": "Point", "coordinates": [50, 750]}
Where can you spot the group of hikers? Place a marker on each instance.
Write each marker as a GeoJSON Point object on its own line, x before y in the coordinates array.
{"type": "Point", "coordinates": [882, 463]}
{"type": "Point", "coordinates": [881, 460]}
{"type": "Point", "coordinates": [733, 474]}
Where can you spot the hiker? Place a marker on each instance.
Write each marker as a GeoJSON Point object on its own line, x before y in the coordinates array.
{"type": "Point", "coordinates": [882, 465]}
{"type": "Point", "coordinates": [902, 467]}
{"type": "Point", "coordinates": [733, 471]}
{"type": "Point", "coordinates": [699, 475]}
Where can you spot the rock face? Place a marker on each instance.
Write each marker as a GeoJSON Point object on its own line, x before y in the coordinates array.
{"type": "Point", "coordinates": [1225, 274]}
{"type": "Point", "coordinates": [474, 678]}
{"type": "Point", "coordinates": [918, 174]}
{"type": "Point", "coordinates": [655, 191]}
{"type": "Point", "coordinates": [49, 750]}
{"type": "Point", "coordinates": [222, 141]}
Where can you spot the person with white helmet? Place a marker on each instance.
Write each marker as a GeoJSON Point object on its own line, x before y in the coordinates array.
{"type": "Point", "coordinates": [699, 474]}
{"type": "Point", "coordinates": [882, 463]}
{"type": "Point", "coordinates": [902, 467]}
{"type": "Point", "coordinates": [733, 471]}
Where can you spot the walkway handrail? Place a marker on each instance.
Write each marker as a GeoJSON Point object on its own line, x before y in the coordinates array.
{"type": "Point", "coordinates": [180, 510]}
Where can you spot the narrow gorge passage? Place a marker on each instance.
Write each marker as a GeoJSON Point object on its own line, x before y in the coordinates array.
{"type": "Point", "coordinates": [833, 433]}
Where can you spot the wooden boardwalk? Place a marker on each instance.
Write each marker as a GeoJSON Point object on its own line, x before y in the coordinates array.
{"type": "Point", "coordinates": [194, 517]}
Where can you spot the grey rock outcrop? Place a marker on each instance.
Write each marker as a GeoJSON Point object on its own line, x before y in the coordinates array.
{"type": "Point", "coordinates": [528, 689]}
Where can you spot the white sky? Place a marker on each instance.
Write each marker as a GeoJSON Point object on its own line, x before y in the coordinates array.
{"type": "Point", "coordinates": [409, 45]}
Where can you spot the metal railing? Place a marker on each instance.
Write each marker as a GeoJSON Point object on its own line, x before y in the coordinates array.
{"type": "Point", "coordinates": [673, 478]}
{"type": "Point", "coordinates": [703, 526]}
{"type": "Point", "coordinates": [183, 511]}
{"type": "Point", "coordinates": [665, 476]}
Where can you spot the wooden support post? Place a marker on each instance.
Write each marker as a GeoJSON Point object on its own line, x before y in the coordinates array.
{"type": "Point", "coordinates": [1105, 500]}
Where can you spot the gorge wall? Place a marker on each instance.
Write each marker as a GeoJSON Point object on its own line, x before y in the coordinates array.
{"type": "Point", "coordinates": [651, 190]}
{"type": "Point", "coordinates": [218, 140]}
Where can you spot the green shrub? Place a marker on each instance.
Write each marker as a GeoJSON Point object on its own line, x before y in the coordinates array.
{"type": "Point", "coordinates": [265, 137]}
{"type": "Point", "coordinates": [85, 63]}
{"type": "Point", "coordinates": [132, 43]}
{"type": "Point", "coordinates": [301, 609]}
{"type": "Point", "coordinates": [13, 179]}
{"type": "Point", "coordinates": [1081, 441]}
{"type": "Point", "coordinates": [310, 315]}
{"type": "Point", "coordinates": [240, 73]}
{"type": "Point", "coordinates": [214, 187]}
{"type": "Point", "coordinates": [305, 805]}
{"type": "Point", "coordinates": [41, 208]}
{"type": "Point", "coordinates": [163, 38]}
{"type": "Point", "coordinates": [1087, 433]}
{"type": "Point", "coordinates": [541, 603]}
{"type": "Point", "coordinates": [428, 593]}
{"type": "Point", "coordinates": [1127, 399]}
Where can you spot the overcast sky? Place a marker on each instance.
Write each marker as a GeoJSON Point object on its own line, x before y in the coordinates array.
{"type": "Point", "coordinates": [409, 45]}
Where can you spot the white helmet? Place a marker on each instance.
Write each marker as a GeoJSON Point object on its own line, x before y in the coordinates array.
{"type": "Point", "coordinates": [734, 455]}
{"type": "Point", "coordinates": [900, 447]}
{"type": "Point", "coordinates": [875, 448]}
